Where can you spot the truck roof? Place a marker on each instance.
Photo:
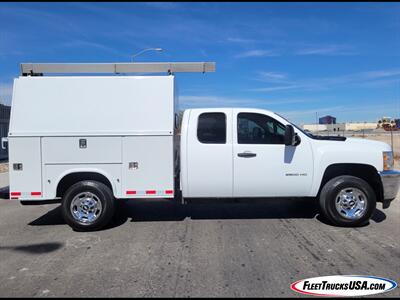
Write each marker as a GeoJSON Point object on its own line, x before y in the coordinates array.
{"type": "Point", "coordinates": [245, 109]}
{"type": "Point", "coordinates": [93, 105]}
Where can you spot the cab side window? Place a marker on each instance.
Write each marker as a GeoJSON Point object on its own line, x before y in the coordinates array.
{"type": "Point", "coordinates": [211, 128]}
{"type": "Point", "coordinates": [254, 128]}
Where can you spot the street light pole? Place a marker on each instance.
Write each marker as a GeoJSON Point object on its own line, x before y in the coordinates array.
{"type": "Point", "coordinates": [145, 50]}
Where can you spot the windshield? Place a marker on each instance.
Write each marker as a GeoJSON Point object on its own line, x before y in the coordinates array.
{"type": "Point", "coordinates": [300, 129]}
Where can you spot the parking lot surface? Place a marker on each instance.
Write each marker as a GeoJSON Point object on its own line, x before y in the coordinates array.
{"type": "Point", "coordinates": [209, 248]}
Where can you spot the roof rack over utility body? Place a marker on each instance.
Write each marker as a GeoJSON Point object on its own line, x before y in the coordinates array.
{"type": "Point", "coordinates": [39, 69]}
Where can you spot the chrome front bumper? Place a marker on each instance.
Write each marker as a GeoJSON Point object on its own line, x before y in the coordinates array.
{"type": "Point", "coordinates": [390, 182]}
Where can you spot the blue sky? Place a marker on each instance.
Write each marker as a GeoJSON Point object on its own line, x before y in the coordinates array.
{"type": "Point", "coordinates": [296, 59]}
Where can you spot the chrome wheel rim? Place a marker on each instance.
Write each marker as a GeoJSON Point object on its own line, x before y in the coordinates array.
{"type": "Point", "coordinates": [86, 208]}
{"type": "Point", "coordinates": [351, 203]}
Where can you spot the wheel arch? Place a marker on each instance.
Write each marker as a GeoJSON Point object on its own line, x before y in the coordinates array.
{"type": "Point", "coordinates": [69, 178]}
{"type": "Point", "coordinates": [363, 171]}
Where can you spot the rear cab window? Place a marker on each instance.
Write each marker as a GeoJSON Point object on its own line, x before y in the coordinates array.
{"type": "Point", "coordinates": [211, 128]}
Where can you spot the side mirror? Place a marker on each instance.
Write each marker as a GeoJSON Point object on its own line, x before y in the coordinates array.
{"type": "Point", "coordinates": [290, 136]}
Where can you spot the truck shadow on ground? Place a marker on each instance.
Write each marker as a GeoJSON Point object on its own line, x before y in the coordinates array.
{"type": "Point", "coordinates": [156, 210]}
{"type": "Point", "coordinates": [40, 248]}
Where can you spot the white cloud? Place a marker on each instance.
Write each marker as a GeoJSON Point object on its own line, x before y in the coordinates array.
{"type": "Point", "coordinates": [361, 79]}
{"type": "Point", "coordinates": [87, 44]}
{"type": "Point", "coordinates": [277, 88]}
{"type": "Point", "coordinates": [327, 50]}
{"type": "Point", "coordinates": [213, 101]}
{"type": "Point", "coordinates": [163, 5]}
{"type": "Point", "coordinates": [302, 112]}
{"type": "Point", "coordinates": [256, 53]}
{"type": "Point", "coordinates": [239, 40]}
{"type": "Point", "coordinates": [6, 90]}
{"type": "Point", "coordinates": [382, 73]}
{"type": "Point", "coordinates": [273, 75]}
{"type": "Point", "coordinates": [218, 101]}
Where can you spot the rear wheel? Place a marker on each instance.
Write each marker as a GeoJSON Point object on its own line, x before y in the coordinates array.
{"type": "Point", "coordinates": [88, 205]}
{"type": "Point", "coordinates": [347, 201]}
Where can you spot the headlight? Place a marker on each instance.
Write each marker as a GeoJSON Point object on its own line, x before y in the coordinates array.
{"type": "Point", "coordinates": [387, 160]}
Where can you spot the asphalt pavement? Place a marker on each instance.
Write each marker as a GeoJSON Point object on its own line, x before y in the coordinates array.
{"type": "Point", "coordinates": [208, 248]}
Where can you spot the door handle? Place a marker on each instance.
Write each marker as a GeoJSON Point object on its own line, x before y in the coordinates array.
{"type": "Point", "coordinates": [246, 154]}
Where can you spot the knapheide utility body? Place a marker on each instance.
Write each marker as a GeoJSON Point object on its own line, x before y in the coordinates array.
{"type": "Point", "coordinates": [89, 141]}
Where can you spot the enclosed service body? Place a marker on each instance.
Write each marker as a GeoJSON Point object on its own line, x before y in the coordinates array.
{"type": "Point", "coordinates": [120, 127]}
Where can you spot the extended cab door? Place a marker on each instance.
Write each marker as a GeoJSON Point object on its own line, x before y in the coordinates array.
{"type": "Point", "coordinates": [208, 156]}
{"type": "Point", "coordinates": [263, 165]}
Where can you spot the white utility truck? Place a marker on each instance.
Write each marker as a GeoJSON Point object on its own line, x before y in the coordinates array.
{"type": "Point", "coordinates": [87, 139]}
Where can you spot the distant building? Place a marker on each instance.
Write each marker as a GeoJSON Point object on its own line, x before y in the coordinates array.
{"type": "Point", "coordinates": [357, 126]}
{"type": "Point", "coordinates": [327, 120]}
{"type": "Point", "coordinates": [324, 127]}
{"type": "Point", "coordinates": [333, 128]}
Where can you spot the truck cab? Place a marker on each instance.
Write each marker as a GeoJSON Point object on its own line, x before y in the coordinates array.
{"type": "Point", "coordinates": [235, 152]}
{"type": "Point", "coordinates": [244, 152]}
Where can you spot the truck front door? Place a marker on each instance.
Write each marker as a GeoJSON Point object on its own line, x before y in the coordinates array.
{"type": "Point", "coordinates": [263, 166]}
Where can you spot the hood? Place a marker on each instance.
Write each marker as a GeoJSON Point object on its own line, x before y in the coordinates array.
{"type": "Point", "coordinates": [361, 142]}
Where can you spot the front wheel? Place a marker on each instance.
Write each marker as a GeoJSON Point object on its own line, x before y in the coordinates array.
{"type": "Point", "coordinates": [347, 201]}
{"type": "Point", "coordinates": [88, 205]}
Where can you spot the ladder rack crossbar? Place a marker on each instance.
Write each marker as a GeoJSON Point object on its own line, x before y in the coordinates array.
{"type": "Point", "coordinates": [115, 68]}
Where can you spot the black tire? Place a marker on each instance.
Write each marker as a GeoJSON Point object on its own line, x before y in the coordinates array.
{"type": "Point", "coordinates": [102, 192]}
{"type": "Point", "coordinates": [329, 193]}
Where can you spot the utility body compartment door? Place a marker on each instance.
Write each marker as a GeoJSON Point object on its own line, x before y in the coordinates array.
{"type": "Point", "coordinates": [148, 166]}
{"type": "Point", "coordinates": [63, 155]}
{"type": "Point", "coordinates": [25, 183]}
{"type": "Point", "coordinates": [82, 150]}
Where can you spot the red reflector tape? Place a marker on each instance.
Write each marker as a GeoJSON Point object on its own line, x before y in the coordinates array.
{"type": "Point", "coordinates": [15, 193]}
{"type": "Point", "coordinates": [150, 192]}
{"type": "Point", "coordinates": [131, 192]}
{"type": "Point", "coordinates": [169, 192]}
{"type": "Point", "coordinates": [36, 193]}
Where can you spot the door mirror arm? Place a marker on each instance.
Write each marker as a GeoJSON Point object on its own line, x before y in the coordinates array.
{"type": "Point", "coordinates": [297, 139]}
